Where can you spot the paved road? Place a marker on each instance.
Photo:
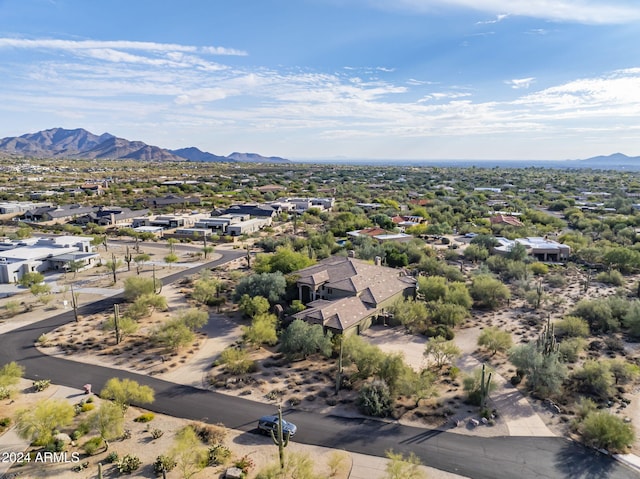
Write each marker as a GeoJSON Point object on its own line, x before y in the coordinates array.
{"type": "Point", "coordinates": [478, 458]}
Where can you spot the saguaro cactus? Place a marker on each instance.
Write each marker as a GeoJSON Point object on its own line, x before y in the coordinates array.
{"type": "Point", "coordinates": [74, 304]}
{"type": "Point", "coordinates": [157, 284]}
{"type": "Point", "coordinates": [116, 321]}
{"type": "Point", "coordinates": [484, 387]}
{"type": "Point", "coordinates": [282, 440]}
{"type": "Point", "coordinates": [546, 342]}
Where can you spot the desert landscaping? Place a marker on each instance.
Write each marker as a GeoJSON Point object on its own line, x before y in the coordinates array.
{"type": "Point", "coordinates": [307, 384]}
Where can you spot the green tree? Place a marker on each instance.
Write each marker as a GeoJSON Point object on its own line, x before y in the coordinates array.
{"type": "Point", "coordinates": [108, 421]}
{"type": "Point", "coordinates": [188, 452]}
{"type": "Point", "coordinates": [140, 260]}
{"type": "Point", "coordinates": [449, 314]}
{"type": "Point", "coordinates": [475, 253]}
{"type": "Point", "coordinates": [193, 318]}
{"type": "Point", "coordinates": [623, 371]}
{"type": "Point", "coordinates": [10, 374]}
{"type": "Point", "coordinates": [489, 292]}
{"type": "Point", "coordinates": [413, 315]}
{"type": "Point", "coordinates": [432, 288]}
{"type": "Point", "coordinates": [206, 289]}
{"type": "Point", "coordinates": [125, 392]}
{"type": "Point", "coordinates": [495, 339]}
{"type": "Point", "coordinates": [401, 467]}
{"type": "Point", "coordinates": [173, 334]}
{"type": "Point", "coordinates": [603, 430]}
{"type": "Point", "coordinates": [631, 319]}
{"type": "Point", "coordinates": [262, 330]}
{"type": "Point", "coordinates": [545, 372]}
{"type": "Point", "coordinates": [392, 371]}
{"type": "Point", "coordinates": [441, 351]}
{"type": "Point", "coordinates": [284, 260]}
{"type": "Point", "coordinates": [623, 259]}
{"type": "Point", "coordinates": [366, 357]}
{"type": "Point", "coordinates": [37, 423]}
{"type": "Point", "coordinates": [458, 293]}
{"type": "Point", "coordinates": [135, 286]}
{"type": "Point", "coordinates": [171, 258]}
{"type": "Point", "coordinates": [254, 306]}
{"type": "Point", "coordinates": [418, 385]}
{"type": "Point", "coordinates": [302, 339]}
{"type": "Point", "coordinates": [268, 285]}
{"type": "Point", "coordinates": [30, 278]}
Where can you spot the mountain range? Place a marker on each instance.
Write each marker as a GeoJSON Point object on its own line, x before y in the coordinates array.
{"type": "Point", "coordinates": [82, 144]}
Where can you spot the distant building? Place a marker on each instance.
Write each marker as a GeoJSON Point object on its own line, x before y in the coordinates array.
{"type": "Point", "coordinates": [256, 210]}
{"type": "Point", "coordinates": [44, 254]}
{"type": "Point", "coordinates": [541, 249]}
{"type": "Point", "coordinates": [172, 200]}
{"type": "Point", "coordinates": [506, 220]}
{"type": "Point", "coordinates": [380, 234]}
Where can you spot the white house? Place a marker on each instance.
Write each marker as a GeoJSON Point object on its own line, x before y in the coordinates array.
{"type": "Point", "coordinates": [44, 254]}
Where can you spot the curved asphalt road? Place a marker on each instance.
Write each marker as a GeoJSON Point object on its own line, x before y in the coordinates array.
{"type": "Point", "coordinates": [478, 458]}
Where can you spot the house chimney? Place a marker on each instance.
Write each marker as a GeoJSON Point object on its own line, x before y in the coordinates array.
{"type": "Point", "coordinates": [378, 261]}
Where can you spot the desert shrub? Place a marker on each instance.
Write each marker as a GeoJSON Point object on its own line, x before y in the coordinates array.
{"type": "Point", "coordinates": [93, 445]}
{"type": "Point", "coordinates": [128, 463]}
{"type": "Point", "coordinates": [612, 277]}
{"type": "Point", "coordinates": [556, 281]}
{"type": "Point", "coordinates": [146, 417]}
{"type": "Point", "coordinates": [601, 429]}
{"type": "Point", "coordinates": [439, 330]}
{"type": "Point", "coordinates": [156, 433]}
{"type": "Point", "coordinates": [572, 326]}
{"type": "Point", "coordinates": [111, 458]}
{"type": "Point", "coordinates": [56, 445]}
{"type": "Point", "coordinates": [163, 464]}
{"type": "Point", "coordinates": [88, 407]}
{"type": "Point", "coordinates": [219, 454]}
{"type": "Point", "coordinates": [595, 378]}
{"type": "Point", "coordinates": [538, 268]}
{"type": "Point", "coordinates": [41, 384]}
{"type": "Point", "coordinates": [5, 393]}
{"type": "Point", "coordinates": [598, 313]}
{"type": "Point", "coordinates": [236, 361]}
{"type": "Point", "coordinates": [571, 348]}
{"type": "Point", "coordinates": [210, 433]}
{"type": "Point", "coordinates": [375, 399]}
{"type": "Point", "coordinates": [245, 464]}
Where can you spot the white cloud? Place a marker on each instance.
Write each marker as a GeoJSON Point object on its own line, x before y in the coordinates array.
{"type": "Point", "coordinates": [498, 19]}
{"type": "Point", "coordinates": [75, 45]}
{"type": "Point", "coordinates": [519, 83]}
{"type": "Point", "coordinates": [576, 11]}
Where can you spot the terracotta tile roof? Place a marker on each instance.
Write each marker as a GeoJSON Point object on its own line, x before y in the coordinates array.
{"type": "Point", "coordinates": [366, 285]}
{"type": "Point", "coordinates": [506, 219]}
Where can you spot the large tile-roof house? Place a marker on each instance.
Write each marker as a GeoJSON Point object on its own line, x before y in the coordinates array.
{"type": "Point", "coordinates": [345, 295]}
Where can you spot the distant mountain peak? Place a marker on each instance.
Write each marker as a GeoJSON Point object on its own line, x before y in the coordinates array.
{"type": "Point", "coordinates": [80, 143]}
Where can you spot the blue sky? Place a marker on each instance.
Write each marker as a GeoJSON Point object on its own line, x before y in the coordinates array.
{"type": "Point", "coordinates": [404, 79]}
